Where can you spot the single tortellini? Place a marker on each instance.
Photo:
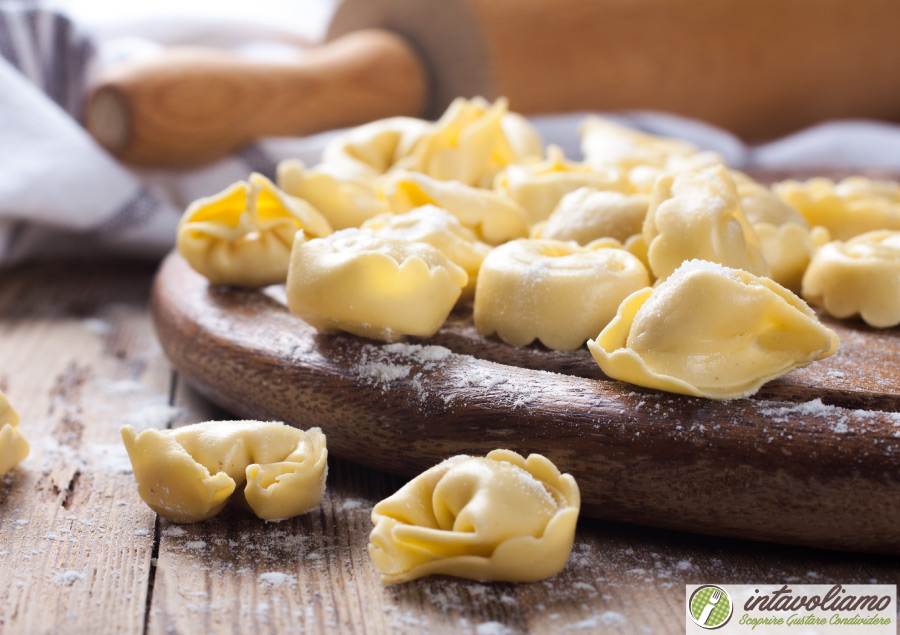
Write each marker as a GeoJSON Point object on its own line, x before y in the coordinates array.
{"type": "Point", "coordinates": [372, 149]}
{"type": "Point", "coordinates": [377, 287]}
{"type": "Point", "coordinates": [345, 196]}
{"type": "Point", "coordinates": [853, 206]}
{"type": "Point", "coordinates": [697, 215]}
{"type": "Point", "coordinates": [243, 235]}
{"type": "Point", "coordinates": [538, 186]}
{"type": "Point", "coordinates": [492, 217]}
{"type": "Point", "coordinates": [711, 331]}
{"type": "Point", "coordinates": [438, 228]}
{"type": "Point", "coordinates": [557, 292]}
{"type": "Point", "coordinates": [606, 143]}
{"type": "Point", "coordinates": [500, 517]}
{"type": "Point", "coordinates": [786, 239]}
{"type": "Point", "coordinates": [189, 474]}
{"type": "Point", "coordinates": [470, 143]}
{"type": "Point", "coordinates": [13, 446]}
{"type": "Point", "coordinates": [858, 277]}
{"type": "Point", "coordinates": [588, 214]}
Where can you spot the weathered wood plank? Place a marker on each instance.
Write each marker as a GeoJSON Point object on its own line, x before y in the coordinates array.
{"type": "Point", "coordinates": [79, 358]}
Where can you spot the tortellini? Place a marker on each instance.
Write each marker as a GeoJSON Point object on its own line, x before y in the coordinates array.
{"type": "Point", "coordinates": [470, 143]}
{"type": "Point", "coordinates": [188, 474]}
{"type": "Point", "coordinates": [494, 218]}
{"type": "Point", "coordinates": [606, 143]}
{"type": "Point", "coordinates": [438, 228]}
{"type": "Point", "coordinates": [852, 207]}
{"type": "Point", "coordinates": [711, 331]}
{"type": "Point", "coordinates": [13, 446]}
{"type": "Point", "coordinates": [538, 187]}
{"type": "Point", "coordinates": [697, 215]}
{"type": "Point", "coordinates": [588, 214]}
{"type": "Point", "coordinates": [500, 517]}
{"type": "Point", "coordinates": [557, 292]}
{"type": "Point", "coordinates": [858, 277]}
{"type": "Point", "coordinates": [377, 287]}
{"type": "Point", "coordinates": [786, 240]}
{"type": "Point", "coordinates": [370, 150]}
{"type": "Point", "coordinates": [345, 196]}
{"type": "Point", "coordinates": [243, 235]}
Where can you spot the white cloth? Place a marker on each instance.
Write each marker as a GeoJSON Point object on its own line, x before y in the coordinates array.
{"type": "Point", "coordinates": [62, 194]}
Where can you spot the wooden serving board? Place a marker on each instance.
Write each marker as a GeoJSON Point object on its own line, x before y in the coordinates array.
{"type": "Point", "coordinates": [813, 459]}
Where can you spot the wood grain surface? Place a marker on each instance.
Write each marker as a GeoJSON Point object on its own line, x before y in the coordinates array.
{"type": "Point", "coordinates": [80, 553]}
{"type": "Point", "coordinates": [809, 443]}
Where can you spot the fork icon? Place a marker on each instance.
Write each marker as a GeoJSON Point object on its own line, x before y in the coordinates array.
{"type": "Point", "coordinates": [713, 600]}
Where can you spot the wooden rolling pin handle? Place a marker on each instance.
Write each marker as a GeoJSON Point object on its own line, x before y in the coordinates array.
{"type": "Point", "coordinates": [190, 106]}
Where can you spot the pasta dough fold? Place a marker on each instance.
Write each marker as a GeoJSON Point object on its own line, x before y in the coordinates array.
{"type": "Point", "coordinates": [537, 187]}
{"type": "Point", "coordinates": [243, 235]}
{"type": "Point", "coordinates": [188, 474]}
{"type": "Point", "coordinates": [853, 206]}
{"type": "Point", "coordinates": [697, 215]}
{"type": "Point", "coordinates": [440, 229]}
{"type": "Point", "coordinates": [858, 277]}
{"type": "Point", "coordinates": [378, 287]}
{"type": "Point", "coordinates": [500, 517]}
{"type": "Point", "coordinates": [13, 446]}
{"type": "Point", "coordinates": [492, 217]}
{"type": "Point", "coordinates": [588, 214]}
{"type": "Point", "coordinates": [711, 331]}
{"type": "Point", "coordinates": [554, 291]}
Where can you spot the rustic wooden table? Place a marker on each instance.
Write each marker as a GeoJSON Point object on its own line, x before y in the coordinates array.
{"type": "Point", "coordinates": [80, 552]}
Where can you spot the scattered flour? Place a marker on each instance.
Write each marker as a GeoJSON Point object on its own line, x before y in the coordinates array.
{"type": "Point", "coordinates": [276, 579]}
{"type": "Point", "coordinates": [492, 628]}
{"type": "Point", "coordinates": [68, 577]}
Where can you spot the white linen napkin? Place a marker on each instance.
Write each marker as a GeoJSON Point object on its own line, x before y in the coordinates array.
{"type": "Point", "coordinates": [61, 194]}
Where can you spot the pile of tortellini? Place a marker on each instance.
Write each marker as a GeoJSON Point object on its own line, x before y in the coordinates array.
{"type": "Point", "coordinates": [678, 272]}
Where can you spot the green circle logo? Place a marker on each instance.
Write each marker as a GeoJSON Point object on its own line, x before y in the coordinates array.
{"type": "Point", "coordinates": [710, 606]}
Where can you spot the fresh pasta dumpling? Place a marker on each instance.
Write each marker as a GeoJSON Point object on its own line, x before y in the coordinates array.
{"type": "Point", "coordinates": [588, 214]}
{"type": "Point", "coordinates": [438, 228]}
{"type": "Point", "coordinates": [786, 239]}
{"type": "Point", "coordinates": [605, 143]}
{"type": "Point", "coordinates": [343, 194]}
{"type": "Point", "coordinates": [377, 287]}
{"type": "Point", "coordinates": [470, 143]}
{"type": "Point", "coordinates": [492, 217]}
{"type": "Point", "coordinates": [374, 148]}
{"type": "Point", "coordinates": [697, 215]}
{"type": "Point", "coordinates": [538, 186]}
{"type": "Point", "coordinates": [499, 517]}
{"type": "Point", "coordinates": [853, 206]}
{"type": "Point", "coordinates": [243, 235]}
{"type": "Point", "coordinates": [13, 446]}
{"type": "Point", "coordinates": [557, 292]}
{"type": "Point", "coordinates": [189, 473]}
{"type": "Point", "coordinates": [711, 331]}
{"type": "Point", "coordinates": [858, 277]}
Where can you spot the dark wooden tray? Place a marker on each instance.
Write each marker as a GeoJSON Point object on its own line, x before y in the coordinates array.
{"type": "Point", "coordinates": [813, 459]}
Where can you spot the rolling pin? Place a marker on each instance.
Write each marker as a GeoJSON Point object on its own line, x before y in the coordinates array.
{"type": "Point", "coordinates": [759, 69]}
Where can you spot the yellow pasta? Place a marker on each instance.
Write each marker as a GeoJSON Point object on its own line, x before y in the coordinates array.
{"type": "Point", "coordinates": [243, 235]}
{"type": "Point", "coordinates": [500, 517]}
{"type": "Point", "coordinates": [588, 214]}
{"type": "Point", "coordinates": [557, 292]}
{"type": "Point", "coordinates": [711, 331]}
{"type": "Point", "coordinates": [858, 277]}
{"type": "Point", "coordinates": [697, 215]}
{"type": "Point", "coordinates": [13, 446]}
{"type": "Point", "coordinates": [188, 474]}
{"type": "Point", "coordinates": [382, 288]}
